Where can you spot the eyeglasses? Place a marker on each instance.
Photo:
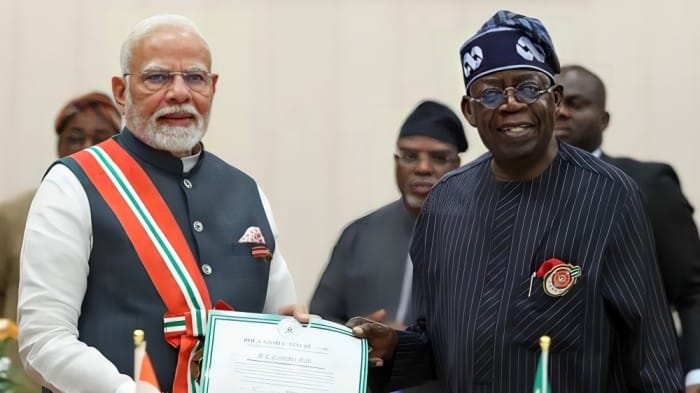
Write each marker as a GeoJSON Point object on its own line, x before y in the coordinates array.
{"type": "Point", "coordinates": [527, 93]}
{"type": "Point", "coordinates": [198, 81]}
{"type": "Point", "coordinates": [436, 158]}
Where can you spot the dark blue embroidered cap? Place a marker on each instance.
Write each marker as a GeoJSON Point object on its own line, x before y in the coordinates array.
{"type": "Point", "coordinates": [507, 41]}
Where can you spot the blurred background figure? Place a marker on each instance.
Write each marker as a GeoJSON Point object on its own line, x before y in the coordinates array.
{"type": "Point", "coordinates": [85, 121]}
{"type": "Point", "coordinates": [581, 121]}
{"type": "Point", "coordinates": [369, 272]}
{"type": "Point", "coordinates": [81, 122]}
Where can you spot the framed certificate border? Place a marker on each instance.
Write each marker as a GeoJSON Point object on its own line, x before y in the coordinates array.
{"type": "Point", "coordinates": [219, 318]}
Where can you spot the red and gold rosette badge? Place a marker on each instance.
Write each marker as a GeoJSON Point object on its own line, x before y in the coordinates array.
{"type": "Point", "coordinates": [558, 277]}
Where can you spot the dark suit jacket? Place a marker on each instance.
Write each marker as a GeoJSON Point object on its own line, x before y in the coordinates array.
{"type": "Point", "coordinates": [611, 332]}
{"type": "Point", "coordinates": [677, 246]}
{"type": "Point", "coordinates": [366, 270]}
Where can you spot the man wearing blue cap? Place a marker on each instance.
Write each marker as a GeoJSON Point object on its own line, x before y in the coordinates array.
{"type": "Point", "coordinates": [533, 238]}
{"type": "Point", "coordinates": [372, 252]}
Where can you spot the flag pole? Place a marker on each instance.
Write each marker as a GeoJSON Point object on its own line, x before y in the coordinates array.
{"type": "Point", "coordinates": [139, 336]}
{"type": "Point", "coordinates": [545, 341]}
{"type": "Point", "coordinates": [541, 384]}
{"type": "Point", "coordinates": [144, 374]}
{"type": "Point", "coordinates": [139, 351]}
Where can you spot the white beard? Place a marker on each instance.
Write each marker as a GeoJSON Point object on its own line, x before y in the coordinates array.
{"type": "Point", "coordinates": [413, 201]}
{"type": "Point", "coordinates": [162, 136]}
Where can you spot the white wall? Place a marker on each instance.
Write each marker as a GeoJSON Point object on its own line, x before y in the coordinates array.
{"type": "Point", "coordinates": [312, 92]}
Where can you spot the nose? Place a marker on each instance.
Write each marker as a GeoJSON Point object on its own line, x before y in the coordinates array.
{"type": "Point", "coordinates": [177, 90]}
{"type": "Point", "coordinates": [424, 165]}
{"type": "Point", "coordinates": [87, 142]}
{"type": "Point", "coordinates": [510, 101]}
{"type": "Point", "coordinates": [563, 111]}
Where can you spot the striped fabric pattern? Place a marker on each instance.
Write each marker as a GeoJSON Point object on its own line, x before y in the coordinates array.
{"type": "Point", "coordinates": [500, 246]}
{"type": "Point", "coordinates": [611, 332]}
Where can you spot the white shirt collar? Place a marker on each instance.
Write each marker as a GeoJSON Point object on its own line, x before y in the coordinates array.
{"type": "Point", "coordinates": [190, 161]}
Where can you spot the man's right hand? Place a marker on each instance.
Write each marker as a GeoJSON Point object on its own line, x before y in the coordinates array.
{"type": "Point", "coordinates": [381, 338]}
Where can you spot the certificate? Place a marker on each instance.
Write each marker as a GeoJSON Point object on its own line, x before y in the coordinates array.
{"type": "Point", "coordinates": [246, 352]}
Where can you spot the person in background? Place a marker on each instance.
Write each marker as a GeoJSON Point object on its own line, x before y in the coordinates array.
{"type": "Point", "coordinates": [581, 121]}
{"type": "Point", "coordinates": [533, 238]}
{"type": "Point", "coordinates": [372, 251]}
{"type": "Point", "coordinates": [147, 230]}
{"type": "Point", "coordinates": [83, 121]}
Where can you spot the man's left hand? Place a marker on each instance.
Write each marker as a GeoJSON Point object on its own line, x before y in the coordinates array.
{"type": "Point", "coordinates": [692, 389]}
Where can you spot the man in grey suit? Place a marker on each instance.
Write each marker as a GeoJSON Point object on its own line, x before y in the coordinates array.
{"type": "Point", "coordinates": [534, 238]}
{"type": "Point", "coordinates": [581, 121]}
{"type": "Point", "coordinates": [372, 252]}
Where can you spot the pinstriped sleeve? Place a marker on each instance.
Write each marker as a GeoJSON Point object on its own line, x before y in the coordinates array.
{"type": "Point", "coordinates": [411, 365]}
{"type": "Point", "coordinates": [633, 290]}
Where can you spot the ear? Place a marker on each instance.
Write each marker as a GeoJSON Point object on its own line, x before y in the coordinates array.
{"type": "Point", "coordinates": [604, 121]}
{"type": "Point", "coordinates": [558, 94]}
{"type": "Point", "coordinates": [214, 79]}
{"type": "Point", "coordinates": [467, 111]}
{"type": "Point", "coordinates": [119, 92]}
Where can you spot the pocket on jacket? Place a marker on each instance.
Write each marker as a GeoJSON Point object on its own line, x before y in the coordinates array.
{"type": "Point", "coordinates": [561, 318]}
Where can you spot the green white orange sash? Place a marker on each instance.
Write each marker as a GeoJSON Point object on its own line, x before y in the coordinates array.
{"type": "Point", "coordinates": [160, 245]}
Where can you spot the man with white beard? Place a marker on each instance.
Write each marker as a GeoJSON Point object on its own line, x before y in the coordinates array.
{"type": "Point", "coordinates": [109, 224]}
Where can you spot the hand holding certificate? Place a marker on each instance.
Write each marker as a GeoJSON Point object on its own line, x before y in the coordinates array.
{"type": "Point", "coordinates": [263, 353]}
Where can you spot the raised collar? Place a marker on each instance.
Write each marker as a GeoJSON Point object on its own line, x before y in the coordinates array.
{"type": "Point", "coordinates": [158, 158]}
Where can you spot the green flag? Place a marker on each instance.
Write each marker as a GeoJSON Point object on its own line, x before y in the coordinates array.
{"type": "Point", "coordinates": [542, 373]}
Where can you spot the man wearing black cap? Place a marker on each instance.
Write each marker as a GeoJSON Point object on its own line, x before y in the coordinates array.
{"type": "Point", "coordinates": [533, 238]}
{"type": "Point", "coordinates": [372, 252]}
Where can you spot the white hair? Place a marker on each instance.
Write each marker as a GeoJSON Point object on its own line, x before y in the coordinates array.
{"type": "Point", "coordinates": [150, 24]}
